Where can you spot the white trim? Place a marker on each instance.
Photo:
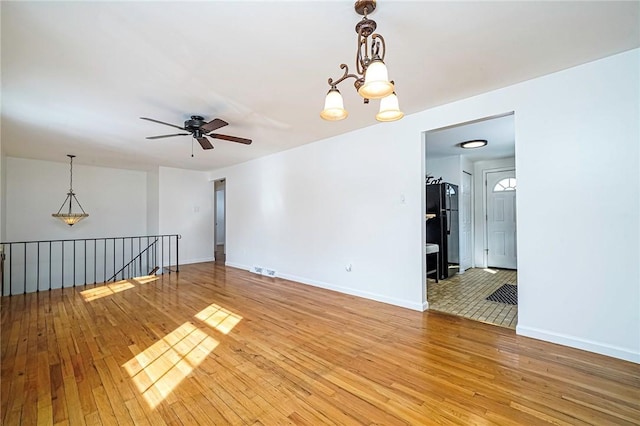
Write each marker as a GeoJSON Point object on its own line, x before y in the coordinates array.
{"type": "Point", "coordinates": [364, 294]}
{"type": "Point", "coordinates": [485, 225]}
{"type": "Point", "coordinates": [344, 290]}
{"type": "Point", "coordinates": [471, 218]}
{"type": "Point", "coordinates": [201, 260]}
{"type": "Point", "coordinates": [576, 342]}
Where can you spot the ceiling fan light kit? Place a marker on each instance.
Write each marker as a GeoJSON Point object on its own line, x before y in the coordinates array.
{"type": "Point", "coordinates": [69, 217]}
{"type": "Point", "coordinates": [200, 130]}
{"type": "Point", "coordinates": [371, 77]}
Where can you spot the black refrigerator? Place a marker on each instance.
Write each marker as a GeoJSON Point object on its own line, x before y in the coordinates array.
{"type": "Point", "coordinates": [443, 229]}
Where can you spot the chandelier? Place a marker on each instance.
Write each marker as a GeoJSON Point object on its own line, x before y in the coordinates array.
{"type": "Point", "coordinates": [70, 218]}
{"type": "Point", "coordinates": [371, 77]}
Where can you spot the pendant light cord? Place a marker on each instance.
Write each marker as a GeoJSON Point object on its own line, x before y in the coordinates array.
{"type": "Point", "coordinates": [71, 176]}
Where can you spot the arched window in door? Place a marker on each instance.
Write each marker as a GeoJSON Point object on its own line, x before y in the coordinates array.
{"type": "Point", "coordinates": [508, 184]}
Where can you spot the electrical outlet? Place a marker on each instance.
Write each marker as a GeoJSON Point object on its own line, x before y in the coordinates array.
{"type": "Point", "coordinates": [258, 269]}
{"type": "Point", "coordinates": [270, 272]}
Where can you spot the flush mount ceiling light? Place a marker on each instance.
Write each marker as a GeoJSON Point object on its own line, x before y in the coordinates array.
{"type": "Point", "coordinates": [476, 143]}
{"type": "Point", "coordinates": [68, 217]}
{"type": "Point", "coordinates": [372, 81]}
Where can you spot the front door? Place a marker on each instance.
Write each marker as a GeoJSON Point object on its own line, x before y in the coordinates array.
{"type": "Point", "coordinates": [501, 219]}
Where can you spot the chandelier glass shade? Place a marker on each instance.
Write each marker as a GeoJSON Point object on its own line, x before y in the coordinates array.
{"type": "Point", "coordinates": [334, 106]}
{"type": "Point", "coordinates": [68, 216]}
{"type": "Point", "coordinates": [371, 75]}
{"type": "Point", "coordinates": [376, 81]}
{"type": "Point", "coordinates": [389, 109]}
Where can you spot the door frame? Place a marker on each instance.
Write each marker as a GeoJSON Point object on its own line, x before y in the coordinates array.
{"type": "Point", "coordinates": [471, 218]}
{"type": "Point", "coordinates": [485, 213]}
{"type": "Point", "coordinates": [217, 182]}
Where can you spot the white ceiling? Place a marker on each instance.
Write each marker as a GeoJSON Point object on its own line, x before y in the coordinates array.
{"type": "Point", "coordinates": [76, 76]}
{"type": "Point", "coordinates": [499, 132]}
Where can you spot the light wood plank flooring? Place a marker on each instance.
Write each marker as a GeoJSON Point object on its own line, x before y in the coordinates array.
{"type": "Point", "coordinates": [213, 345]}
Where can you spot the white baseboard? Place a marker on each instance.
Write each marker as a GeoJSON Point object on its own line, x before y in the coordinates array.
{"type": "Point", "coordinates": [366, 295]}
{"type": "Point", "coordinates": [575, 342]}
{"type": "Point", "coordinates": [237, 265]}
{"type": "Point", "coordinates": [190, 261]}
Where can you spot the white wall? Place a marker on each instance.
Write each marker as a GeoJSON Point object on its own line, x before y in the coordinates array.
{"type": "Point", "coordinates": [3, 194]}
{"type": "Point", "coordinates": [309, 212]}
{"type": "Point", "coordinates": [447, 168]}
{"type": "Point", "coordinates": [479, 195]}
{"type": "Point", "coordinates": [186, 208]}
{"type": "Point", "coordinates": [115, 200]}
{"type": "Point", "coordinates": [359, 199]}
{"type": "Point", "coordinates": [153, 202]}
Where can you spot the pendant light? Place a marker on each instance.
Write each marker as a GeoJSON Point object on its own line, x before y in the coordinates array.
{"type": "Point", "coordinates": [69, 217]}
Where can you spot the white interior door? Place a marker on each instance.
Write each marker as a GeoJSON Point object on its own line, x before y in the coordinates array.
{"type": "Point", "coordinates": [501, 219]}
{"type": "Point", "coordinates": [465, 223]}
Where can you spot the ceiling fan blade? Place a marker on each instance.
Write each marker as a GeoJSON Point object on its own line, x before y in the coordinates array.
{"type": "Point", "coordinates": [231, 138]}
{"type": "Point", "coordinates": [162, 122]}
{"type": "Point", "coordinates": [167, 136]}
{"type": "Point", "coordinates": [204, 143]}
{"type": "Point", "coordinates": [214, 124]}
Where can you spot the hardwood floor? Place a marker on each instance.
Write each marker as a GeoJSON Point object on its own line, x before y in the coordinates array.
{"type": "Point", "coordinates": [214, 345]}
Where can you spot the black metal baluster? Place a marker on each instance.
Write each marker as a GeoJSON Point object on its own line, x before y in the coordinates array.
{"type": "Point", "coordinates": [24, 277]}
{"type": "Point", "coordinates": [10, 270]}
{"type": "Point", "coordinates": [49, 265]}
{"type": "Point", "coordinates": [74, 263]}
{"type": "Point", "coordinates": [38, 270]}
{"type": "Point", "coordinates": [177, 252]}
{"type": "Point", "coordinates": [122, 258]}
{"type": "Point", "coordinates": [114, 257]}
{"type": "Point", "coordinates": [62, 284]}
{"type": "Point", "coordinates": [104, 264]}
{"type": "Point", "coordinates": [95, 261]}
{"type": "Point", "coordinates": [169, 254]}
{"type": "Point", "coordinates": [85, 263]}
{"type": "Point", "coordinates": [140, 258]}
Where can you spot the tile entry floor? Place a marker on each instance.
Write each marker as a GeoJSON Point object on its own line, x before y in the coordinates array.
{"type": "Point", "coordinates": [464, 295]}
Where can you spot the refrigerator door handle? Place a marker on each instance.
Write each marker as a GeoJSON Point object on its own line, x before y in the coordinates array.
{"type": "Point", "coordinates": [448, 223]}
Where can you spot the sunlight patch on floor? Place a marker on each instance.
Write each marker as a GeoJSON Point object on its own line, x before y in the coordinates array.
{"type": "Point", "coordinates": [491, 271]}
{"type": "Point", "coordinates": [162, 366]}
{"type": "Point", "coordinates": [117, 287]}
{"type": "Point", "coordinates": [105, 290]}
{"type": "Point", "coordinates": [219, 318]}
{"type": "Point", "coordinates": [146, 279]}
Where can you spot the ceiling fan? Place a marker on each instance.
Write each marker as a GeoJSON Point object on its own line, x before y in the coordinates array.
{"type": "Point", "coordinates": [199, 128]}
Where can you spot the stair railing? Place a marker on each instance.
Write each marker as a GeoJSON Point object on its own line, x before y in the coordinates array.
{"type": "Point", "coordinates": [28, 266]}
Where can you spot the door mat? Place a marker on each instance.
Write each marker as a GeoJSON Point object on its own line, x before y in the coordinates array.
{"type": "Point", "coordinates": [507, 293]}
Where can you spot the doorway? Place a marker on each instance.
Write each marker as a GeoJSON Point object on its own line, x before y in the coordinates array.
{"type": "Point", "coordinates": [220, 251]}
{"type": "Point", "coordinates": [486, 182]}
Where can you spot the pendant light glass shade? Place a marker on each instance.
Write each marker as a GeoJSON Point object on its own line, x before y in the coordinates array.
{"type": "Point", "coordinates": [70, 218]}
{"type": "Point", "coordinates": [334, 106]}
{"type": "Point", "coordinates": [389, 109]}
{"type": "Point", "coordinates": [376, 81]}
